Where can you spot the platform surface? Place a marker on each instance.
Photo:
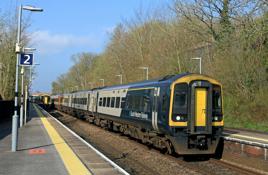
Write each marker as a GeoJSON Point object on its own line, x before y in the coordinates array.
{"type": "Point", "coordinates": [35, 154]}
{"type": "Point", "coordinates": [44, 149]}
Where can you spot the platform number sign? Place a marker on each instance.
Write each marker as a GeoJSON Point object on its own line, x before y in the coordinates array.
{"type": "Point", "coordinates": [26, 59]}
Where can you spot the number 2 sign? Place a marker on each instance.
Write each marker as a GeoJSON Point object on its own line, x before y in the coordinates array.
{"type": "Point", "coordinates": [26, 59]}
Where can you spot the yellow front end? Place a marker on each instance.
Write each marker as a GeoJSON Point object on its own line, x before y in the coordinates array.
{"type": "Point", "coordinates": [195, 114]}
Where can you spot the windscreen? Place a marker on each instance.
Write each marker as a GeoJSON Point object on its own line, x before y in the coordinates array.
{"type": "Point", "coordinates": [180, 100]}
{"type": "Point", "coordinates": [216, 100]}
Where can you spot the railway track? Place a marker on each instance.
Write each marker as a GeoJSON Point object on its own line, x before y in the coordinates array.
{"type": "Point", "coordinates": [136, 158]}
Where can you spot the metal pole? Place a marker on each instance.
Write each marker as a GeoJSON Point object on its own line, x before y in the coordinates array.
{"type": "Point", "coordinates": [200, 65]}
{"type": "Point", "coordinates": [22, 98]}
{"type": "Point", "coordinates": [102, 82]}
{"type": "Point", "coordinates": [91, 85]}
{"type": "Point", "coordinates": [147, 73]}
{"type": "Point", "coordinates": [15, 116]}
{"type": "Point", "coordinates": [25, 104]}
{"type": "Point", "coordinates": [121, 78]}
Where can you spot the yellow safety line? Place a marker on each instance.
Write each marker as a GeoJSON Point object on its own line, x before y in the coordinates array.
{"type": "Point", "coordinates": [70, 160]}
{"type": "Point", "coordinates": [247, 137]}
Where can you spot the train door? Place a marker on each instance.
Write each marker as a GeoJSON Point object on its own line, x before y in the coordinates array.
{"type": "Point", "coordinates": [155, 108]}
{"type": "Point", "coordinates": [93, 101]}
{"type": "Point", "coordinates": [201, 107]}
{"type": "Point", "coordinates": [88, 101]}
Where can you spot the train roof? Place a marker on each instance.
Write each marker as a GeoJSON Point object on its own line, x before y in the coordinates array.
{"type": "Point", "coordinates": [162, 80]}
{"type": "Point", "coordinates": [168, 79]}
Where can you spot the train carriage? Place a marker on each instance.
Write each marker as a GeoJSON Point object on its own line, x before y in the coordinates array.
{"type": "Point", "coordinates": [181, 113]}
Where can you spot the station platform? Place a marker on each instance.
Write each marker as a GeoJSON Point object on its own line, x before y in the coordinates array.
{"type": "Point", "coordinates": [254, 137]}
{"type": "Point", "coordinates": [45, 146]}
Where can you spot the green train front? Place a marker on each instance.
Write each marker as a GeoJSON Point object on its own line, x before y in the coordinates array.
{"type": "Point", "coordinates": [195, 115]}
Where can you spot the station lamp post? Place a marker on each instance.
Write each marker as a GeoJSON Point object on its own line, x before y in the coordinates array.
{"type": "Point", "coordinates": [147, 71]}
{"type": "Point", "coordinates": [18, 51]}
{"type": "Point", "coordinates": [22, 93]}
{"type": "Point", "coordinates": [91, 85]}
{"type": "Point", "coordinates": [102, 82]}
{"type": "Point", "coordinates": [200, 63]}
{"type": "Point", "coordinates": [121, 78]}
{"type": "Point", "coordinates": [23, 106]}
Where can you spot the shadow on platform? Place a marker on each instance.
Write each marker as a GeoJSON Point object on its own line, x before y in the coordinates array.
{"type": "Point", "coordinates": [5, 128]}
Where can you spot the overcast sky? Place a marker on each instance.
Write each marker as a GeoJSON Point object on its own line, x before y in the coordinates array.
{"type": "Point", "coordinates": [67, 27]}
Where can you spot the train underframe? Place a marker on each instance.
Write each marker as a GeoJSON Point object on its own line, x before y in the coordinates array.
{"type": "Point", "coordinates": [181, 143]}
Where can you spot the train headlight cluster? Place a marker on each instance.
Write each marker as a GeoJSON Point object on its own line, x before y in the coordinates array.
{"type": "Point", "coordinates": [180, 118]}
{"type": "Point", "coordinates": [217, 118]}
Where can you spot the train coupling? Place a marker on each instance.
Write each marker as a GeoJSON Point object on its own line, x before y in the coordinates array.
{"type": "Point", "coordinates": [202, 143]}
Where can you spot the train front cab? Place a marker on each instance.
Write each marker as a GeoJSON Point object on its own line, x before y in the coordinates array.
{"type": "Point", "coordinates": [195, 115]}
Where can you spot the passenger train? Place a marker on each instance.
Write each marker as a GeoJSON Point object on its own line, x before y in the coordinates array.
{"type": "Point", "coordinates": [176, 113]}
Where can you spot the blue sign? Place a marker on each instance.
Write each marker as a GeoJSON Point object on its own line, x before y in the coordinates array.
{"type": "Point", "coordinates": [26, 59]}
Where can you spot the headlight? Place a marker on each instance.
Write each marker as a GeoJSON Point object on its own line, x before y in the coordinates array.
{"type": "Point", "coordinates": [217, 118]}
{"type": "Point", "coordinates": [180, 118]}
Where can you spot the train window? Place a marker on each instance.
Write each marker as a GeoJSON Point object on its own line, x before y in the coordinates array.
{"type": "Point", "coordinates": [164, 103]}
{"type": "Point", "coordinates": [123, 102]}
{"type": "Point", "coordinates": [117, 103]}
{"type": "Point", "coordinates": [129, 103]}
{"type": "Point", "coordinates": [88, 99]}
{"type": "Point", "coordinates": [112, 102]}
{"type": "Point", "coordinates": [180, 99]}
{"type": "Point", "coordinates": [108, 101]}
{"type": "Point", "coordinates": [100, 102]}
{"type": "Point", "coordinates": [216, 100]}
{"type": "Point", "coordinates": [137, 103]}
{"type": "Point", "coordinates": [104, 102]}
{"type": "Point", "coordinates": [146, 103]}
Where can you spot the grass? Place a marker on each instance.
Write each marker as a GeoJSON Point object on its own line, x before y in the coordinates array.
{"type": "Point", "coordinates": [249, 114]}
{"type": "Point", "coordinates": [235, 122]}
